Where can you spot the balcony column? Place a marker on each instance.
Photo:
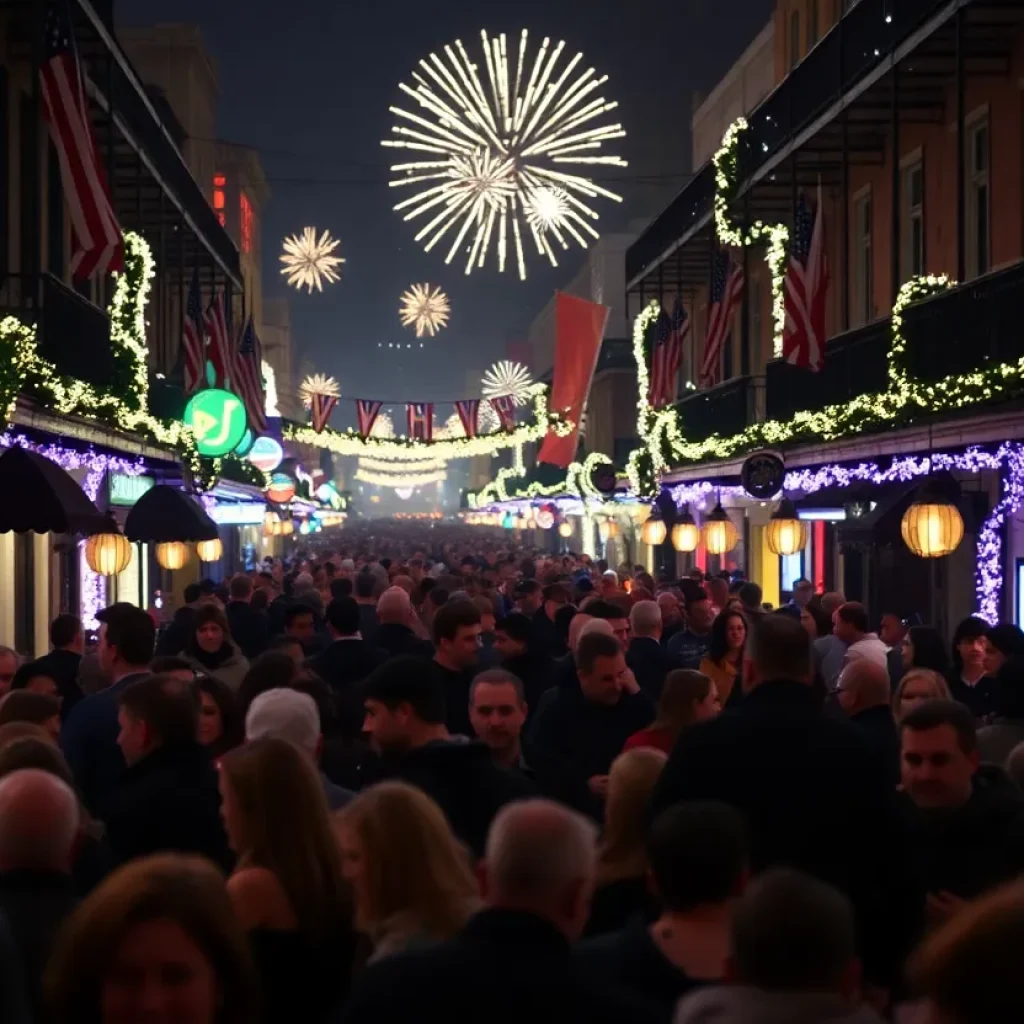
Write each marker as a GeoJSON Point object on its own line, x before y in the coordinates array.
{"type": "Point", "coordinates": [31, 189]}
{"type": "Point", "coordinates": [180, 316]}
{"type": "Point", "coordinates": [162, 280]}
{"type": "Point", "coordinates": [745, 360]}
{"type": "Point", "coordinates": [961, 156]}
{"type": "Point", "coordinates": [894, 269]}
{"type": "Point", "coordinates": [844, 190]}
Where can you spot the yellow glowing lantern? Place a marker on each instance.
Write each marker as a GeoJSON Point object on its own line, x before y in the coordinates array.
{"type": "Point", "coordinates": [932, 527]}
{"type": "Point", "coordinates": [172, 554]}
{"type": "Point", "coordinates": [685, 533]}
{"type": "Point", "coordinates": [210, 550]}
{"type": "Point", "coordinates": [287, 527]}
{"type": "Point", "coordinates": [108, 553]}
{"type": "Point", "coordinates": [786, 533]}
{"type": "Point", "coordinates": [654, 531]}
{"type": "Point", "coordinates": [565, 530]}
{"type": "Point", "coordinates": [720, 535]}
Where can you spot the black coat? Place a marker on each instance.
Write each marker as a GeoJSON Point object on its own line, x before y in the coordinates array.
{"type": "Point", "coordinates": [537, 674]}
{"type": "Point", "coordinates": [177, 634]}
{"type": "Point", "coordinates": [62, 667]}
{"type": "Point", "coordinates": [250, 629]}
{"type": "Point", "coordinates": [650, 663]}
{"type": "Point", "coordinates": [815, 797]}
{"type": "Point", "coordinates": [455, 686]}
{"type": "Point", "coordinates": [368, 622]}
{"type": "Point", "coordinates": [557, 780]}
{"type": "Point", "coordinates": [397, 639]}
{"type": "Point", "coordinates": [167, 801]}
{"type": "Point", "coordinates": [878, 727]}
{"type": "Point", "coordinates": [343, 666]}
{"type": "Point", "coordinates": [547, 637]}
{"type": "Point", "coordinates": [467, 980]}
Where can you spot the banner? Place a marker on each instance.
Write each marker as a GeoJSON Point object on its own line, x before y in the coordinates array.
{"type": "Point", "coordinates": [579, 328]}
{"type": "Point", "coordinates": [322, 407]}
{"type": "Point", "coordinates": [468, 410]}
{"type": "Point", "coordinates": [505, 407]}
{"type": "Point", "coordinates": [366, 411]}
{"type": "Point", "coordinates": [421, 420]}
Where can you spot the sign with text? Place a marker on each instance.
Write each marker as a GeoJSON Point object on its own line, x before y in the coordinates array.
{"type": "Point", "coordinates": [217, 418]}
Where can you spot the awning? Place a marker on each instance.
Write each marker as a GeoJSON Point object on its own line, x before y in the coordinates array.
{"type": "Point", "coordinates": [40, 496]}
{"type": "Point", "coordinates": [165, 514]}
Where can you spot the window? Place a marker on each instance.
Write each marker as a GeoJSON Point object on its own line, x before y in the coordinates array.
{"type": "Point", "coordinates": [219, 182]}
{"type": "Point", "coordinates": [912, 220]}
{"type": "Point", "coordinates": [812, 23]}
{"type": "Point", "coordinates": [978, 200]}
{"type": "Point", "coordinates": [863, 297]}
{"type": "Point", "coordinates": [794, 39]}
{"type": "Point", "coordinates": [245, 221]}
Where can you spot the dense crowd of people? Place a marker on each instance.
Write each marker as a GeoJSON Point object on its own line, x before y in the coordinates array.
{"type": "Point", "coordinates": [425, 775]}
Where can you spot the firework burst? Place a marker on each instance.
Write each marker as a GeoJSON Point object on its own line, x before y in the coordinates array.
{"type": "Point", "coordinates": [308, 261]}
{"type": "Point", "coordinates": [426, 308]}
{"type": "Point", "coordinates": [508, 378]}
{"type": "Point", "coordinates": [318, 384]}
{"type": "Point", "coordinates": [494, 154]}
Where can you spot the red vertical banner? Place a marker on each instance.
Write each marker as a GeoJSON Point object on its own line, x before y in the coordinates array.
{"type": "Point", "coordinates": [579, 328]}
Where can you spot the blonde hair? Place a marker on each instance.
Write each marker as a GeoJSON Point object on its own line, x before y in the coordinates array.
{"type": "Point", "coordinates": [416, 871]}
{"type": "Point", "coordinates": [939, 687]}
{"type": "Point", "coordinates": [631, 783]}
{"type": "Point", "coordinates": [286, 829]}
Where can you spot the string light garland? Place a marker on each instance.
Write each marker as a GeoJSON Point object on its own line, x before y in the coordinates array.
{"type": "Point", "coordinates": [400, 481]}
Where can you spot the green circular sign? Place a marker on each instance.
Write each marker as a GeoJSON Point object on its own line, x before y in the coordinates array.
{"type": "Point", "coordinates": [217, 418]}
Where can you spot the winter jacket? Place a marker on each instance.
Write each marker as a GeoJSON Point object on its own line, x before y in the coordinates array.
{"type": "Point", "coordinates": [740, 1005]}
{"type": "Point", "coordinates": [230, 670]}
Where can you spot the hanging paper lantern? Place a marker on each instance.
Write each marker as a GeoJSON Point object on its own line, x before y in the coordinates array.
{"type": "Point", "coordinates": [720, 535]}
{"type": "Point", "coordinates": [565, 530]}
{"type": "Point", "coordinates": [685, 533]}
{"type": "Point", "coordinates": [210, 550]}
{"type": "Point", "coordinates": [108, 553]}
{"type": "Point", "coordinates": [932, 527]}
{"type": "Point", "coordinates": [654, 531]}
{"type": "Point", "coordinates": [172, 554]}
{"type": "Point", "coordinates": [786, 533]}
{"type": "Point", "coordinates": [531, 523]}
{"type": "Point", "coordinates": [287, 527]}
{"type": "Point", "coordinates": [545, 518]}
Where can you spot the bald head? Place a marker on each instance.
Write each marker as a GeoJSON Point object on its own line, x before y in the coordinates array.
{"type": "Point", "coordinates": [863, 684]}
{"type": "Point", "coordinates": [645, 619]}
{"type": "Point", "coordinates": [579, 620]}
{"type": "Point", "coordinates": [832, 601]}
{"type": "Point", "coordinates": [541, 858]}
{"type": "Point", "coordinates": [394, 606]}
{"type": "Point", "coordinates": [39, 820]}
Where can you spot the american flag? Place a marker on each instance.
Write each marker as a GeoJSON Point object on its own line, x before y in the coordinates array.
{"type": "Point", "coordinates": [468, 410]}
{"type": "Point", "coordinates": [724, 297]}
{"type": "Point", "coordinates": [366, 412]}
{"type": "Point", "coordinates": [805, 288]}
{"type": "Point", "coordinates": [193, 340]}
{"type": "Point", "coordinates": [96, 234]}
{"type": "Point", "coordinates": [505, 407]}
{"type": "Point", "coordinates": [670, 337]}
{"type": "Point", "coordinates": [421, 420]}
{"type": "Point", "coordinates": [662, 330]}
{"type": "Point", "coordinates": [218, 332]}
{"type": "Point", "coordinates": [248, 377]}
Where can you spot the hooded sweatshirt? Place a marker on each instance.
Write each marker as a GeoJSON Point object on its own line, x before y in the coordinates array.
{"type": "Point", "coordinates": [741, 1005]}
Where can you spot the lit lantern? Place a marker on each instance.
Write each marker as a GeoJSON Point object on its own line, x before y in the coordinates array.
{"type": "Point", "coordinates": [685, 533]}
{"type": "Point", "coordinates": [613, 528]}
{"type": "Point", "coordinates": [932, 527]}
{"type": "Point", "coordinates": [654, 531]}
{"type": "Point", "coordinates": [210, 550]}
{"type": "Point", "coordinates": [270, 519]}
{"type": "Point", "coordinates": [531, 523]}
{"type": "Point", "coordinates": [565, 530]}
{"type": "Point", "coordinates": [172, 554]}
{"type": "Point", "coordinates": [545, 518]}
{"type": "Point", "coordinates": [786, 533]}
{"type": "Point", "coordinates": [287, 527]}
{"type": "Point", "coordinates": [720, 535]}
{"type": "Point", "coordinates": [108, 553]}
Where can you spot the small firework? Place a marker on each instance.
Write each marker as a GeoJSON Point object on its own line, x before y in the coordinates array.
{"type": "Point", "coordinates": [308, 261]}
{"type": "Point", "coordinates": [426, 308]}
{"type": "Point", "coordinates": [508, 378]}
{"type": "Point", "coordinates": [318, 384]}
{"type": "Point", "coordinates": [547, 209]}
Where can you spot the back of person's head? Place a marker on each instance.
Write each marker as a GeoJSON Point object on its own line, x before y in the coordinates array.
{"type": "Point", "coordinates": [171, 663]}
{"type": "Point", "coordinates": [928, 649]}
{"type": "Point", "coordinates": [167, 705]}
{"type": "Point", "coordinates": [341, 586]}
{"type": "Point", "coordinates": [855, 615]}
{"type": "Point", "coordinates": [413, 864]}
{"type": "Point", "coordinates": [131, 631]}
{"type": "Point", "coordinates": [793, 933]}
{"type": "Point", "coordinates": [34, 751]}
{"type": "Point", "coordinates": [343, 616]}
{"type": "Point", "coordinates": [541, 858]}
{"type": "Point", "coordinates": [751, 595]}
{"type": "Point", "coordinates": [867, 683]}
{"type": "Point", "coordinates": [778, 648]}
{"type": "Point", "coordinates": [394, 607]}
{"type": "Point", "coordinates": [192, 593]}
{"type": "Point", "coordinates": [609, 610]}
{"type": "Point", "coordinates": [594, 644]}
{"type": "Point", "coordinates": [517, 626]}
{"type": "Point", "coordinates": [268, 671]}
{"type": "Point", "coordinates": [365, 584]}
{"type": "Point", "coordinates": [26, 706]}
{"type": "Point", "coordinates": [831, 601]}
{"type": "Point", "coordinates": [698, 855]}
{"type": "Point", "coordinates": [645, 619]}
{"type": "Point", "coordinates": [406, 681]}
{"type": "Point", "coordinates": [453, 616]}
{"type": "Point", "coordinates": [969, 969]}
{"type": "Point", "coordinates": [631, 783]}
{"type": "Point", "coordinates": [13, 731]}
{"type": "Point", "coordinates": [684, 689]}
{"type": "Point", "coordinates": [288, 715]}
{"type": "Point", "coordinates": [436, 596]}
{"type": "Point", "coordinates": [240, 587]}
{"type": "Point", "coordinates": [559, 593]}
{"type": "Point", "coordinates": [39, 820]}
{"type": "Point", "coordinates": [64, 630]}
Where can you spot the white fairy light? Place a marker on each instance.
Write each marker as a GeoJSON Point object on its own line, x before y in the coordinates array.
{"type": "Point", "coordinates": [508, 378]}
{"type": "Point", "coordinates": [491, 151]}
{"type": "Point", "coordinates": [308, 261]}
{"type": "Point", "coordinates": [426, 308]}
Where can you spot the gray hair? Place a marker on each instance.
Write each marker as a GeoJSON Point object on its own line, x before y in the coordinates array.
{"type": "Point", "coordinates": [645, 618]}
{"type": "Point", "coordinates": [287, 715]}
{"type": "Point", "coordinates": [39, 820]}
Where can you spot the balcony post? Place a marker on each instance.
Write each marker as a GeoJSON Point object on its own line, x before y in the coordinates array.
{"type": "Point", "coordinates": [844, 189]}
{"type": "Point", "coordinates": [745, 311]}
{"type": "Point", "coordinates": [163, 305]}
{"type": "Point", "coordinates": [894, 270]}
{"type": "Point", "coordinates": [961, 156]}
{"type": "Point", "coordinates": [31, 190]}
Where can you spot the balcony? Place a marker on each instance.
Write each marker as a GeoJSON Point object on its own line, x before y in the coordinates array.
{"type": "Point", "coordinates": [725, 409]}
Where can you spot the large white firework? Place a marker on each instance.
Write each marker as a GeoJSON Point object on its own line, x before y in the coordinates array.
{"type": "Point", "coordinates": [426, 308]}
{"type": "Point", "coordinates": [318, 384]}
{"type": "Point", "coordinates": [495, 149]}
{"type": "Point", "coordinates": [308, 261]}
{"type": "Point", "coordinates": [508, 378]}
{"type": "Point", "coordinates": [383, 426]}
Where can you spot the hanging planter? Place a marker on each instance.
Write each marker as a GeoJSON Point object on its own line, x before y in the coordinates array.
{"type": "Point", "coordinates": [786, 533]}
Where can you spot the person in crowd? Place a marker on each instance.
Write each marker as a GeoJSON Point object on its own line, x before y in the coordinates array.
{"type": "Point", "coordinates": [723, 664]}
{"type": "Point", "coordinates": [536, 880]}
{"type": "Point", "coordinates": [456, 631]}
{"type": "Point", "coordinates": [157, 940]}
{"type": "Point", "coordinates": [687, 698]}
{"type": "Point", "coordinates": [498, 713]}
{"type": "Point", "coordinates": [891, 631]}
{"type": "Point", "coordinates": [287, 888]}
{"type": "Point", "coordinates": [405, 721]}
{"type": "Point", "coordinates": [220, 717]}
{"type": "Point", "coordinates": [434, 597]}
{"type": "Point", "coordinates": [248, 627]}
{"type": "Point", "coordinates": [536, 670]}
{"type": "Point", "coordinates": [915, 687]}
{"type": "Point", "coordinates": [968, 681]}
{"type": "Point", "coordinates": [289, 715]}
{"type": "Point", "coordinates": [588, 726]}
{"type": "Point", "coordinates": [803, 591]}
{"type": "Point", "coordinates": [966, 820]}
{"type": "Point", "coordinates": [39, 829]}
{"type": "Point", "coordinates": [286, 644]}
{"type": "Point", "coordinates": [671, 616]}
{"type": "Point", "coordinates": [272, 669]}
{"type": "Point", "coordinates": [366, 598]}
{"type": "Point", "coordinates": [167, 797]}
{"type": "Point", "coordinates": [616, 614]}
{"type": "Point", "coordinates": [346, 662]}
{"type": "Point", "coordinates": [1004, 642]}
{"type": "Point", "coordinates": [863, 694]}
{"type": "Point", "coordinates": [89, 736]}
{"type": "Point", "coordinates": [852, 627]}
{"type": "Point", "coordinates": [816, 620]}
{"type": "Point", "coordinates": [548, 639]}
{"type": "Point", "coordinates": [410, 878]}
{"type": "Point", "coordinates": [807, 784]}
{"type": "Point", "coordinates": [691, 644]}
{"type": "Point", "coordinates": [489, 656]}
{"type": "Point", "coordinates": [211, 649]}
{"type": "Point", "coordinates": [528, 597]}
{"type": "Point", "coordinates": [649, 661]}
{"type": "Point", "coordinates": [622, 892]}
{"type": "Point", "coordinates": [793, 953]}
{"type": "Point", "coordinates": [718, 591]}
{"type": "Point", "coordinates": [30, 679]}
{"type": "Point", "coordinates": [341, 586]}
{"type": "Point", "coordinates": [751, 596]}
{"type": "Point", "coordinates": [176, 635]}
{"type": "Point", "coordinates": [395, 634]}
{"type": "Point", "coordinates": [62, 663]}
{"type": "Point", "coordinates": [171, 665]}
{"type": "Point", "coordinates": [698, 867]}
{"type": "Point", "coordinates": [300, 623]}
{"type": "Point", "coordinates": [39, 708]}
{"type": "Point", "coordinates": [923, 647]}
{"type": "Point", "coordinates": [1006, 730]}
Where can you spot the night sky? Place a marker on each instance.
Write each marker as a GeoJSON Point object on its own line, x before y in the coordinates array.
{"type": "Point", "coordinates": [308, 83]}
